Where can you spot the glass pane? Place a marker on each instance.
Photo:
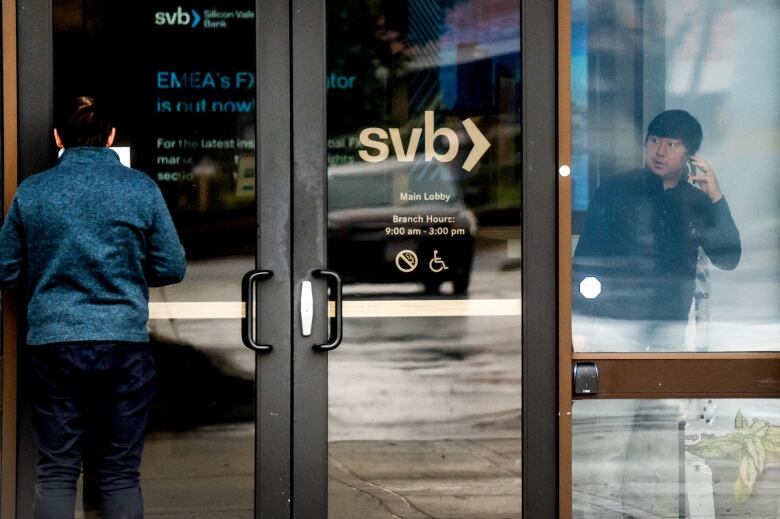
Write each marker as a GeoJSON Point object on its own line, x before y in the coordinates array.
{"type": "Point", "coordinates": [180, 79]}
{"type": "Point", "coordinates": [424, 227]}
{"type": "Point", "coordinates": [676, 458]}
{"type": "Point", "coordinates": [665, 257]}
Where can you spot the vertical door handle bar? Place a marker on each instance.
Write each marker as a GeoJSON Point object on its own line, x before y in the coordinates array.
{"type": "Point", "coordinates": [248, 296]}
{"type": "Point", "coordinates": [337, 322]}
{"type": "Point", "coordinates": [307, 308]}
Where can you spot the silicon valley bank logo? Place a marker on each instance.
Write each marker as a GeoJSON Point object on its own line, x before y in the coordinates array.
{"type": "Point", "coordinates": [207, 19]}
{"type": "Point", "coordinates": [177, 17]}
{"type": "Point", "coordinates": [375, 138]}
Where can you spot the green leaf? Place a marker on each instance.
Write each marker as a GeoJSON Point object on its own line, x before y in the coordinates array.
{"type": "Point", "coordinates": [740, 421]}
{"type": "Point", "coordinates": [773, 432]}
{"type": "Point", "coordinates": [741, 491]}
{"type": "Point", "coordinates": [717, 448]}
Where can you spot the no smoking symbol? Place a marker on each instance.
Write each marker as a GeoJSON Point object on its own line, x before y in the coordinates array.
{"type": "Point", "coordinates": [406, 261]}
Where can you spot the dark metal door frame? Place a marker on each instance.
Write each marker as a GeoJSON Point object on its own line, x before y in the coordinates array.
{"type": "Point", "coordinates": [273, 123]}
{"type": "Point", "coordinates": [539, 268]}
{"type": "Point", "coordinates": [273, 382]}
{"type": "Point", "coordinates": [540, 275]}
{"type": "Point", "coordinates": [291, 442]}
{"type": "Point", "coordinates": [310, 367]}
{"type": "Point", "coordinates": [35, 121]}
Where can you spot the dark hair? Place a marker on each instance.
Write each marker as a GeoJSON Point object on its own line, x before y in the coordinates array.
{"type": "Point", "coordinates": [83, 123]}
{"type": "Point", "coordinates": [677, 124]}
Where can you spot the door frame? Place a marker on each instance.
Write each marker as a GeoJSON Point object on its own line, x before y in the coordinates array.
{"type": "Point", "coordinates": [310, 235]}
{"type": "Point", "coordinates": [540, 276]}
{"type": "Point", "coordinates": [540, 310]}
{"type": "Point", "coordinates": [34, 153]}
{"type": "Point", "coordinates": [8, 144]}
{"type": "Point", "coordinates": [291, 471]}
{"type": "Point", "coordinates": [27, 44]}
{"type": "Point", "coordinates": [273, 371]}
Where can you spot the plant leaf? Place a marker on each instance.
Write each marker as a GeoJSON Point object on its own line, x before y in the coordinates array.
{"type": "Point", "coordinates": [772, 444]}
{"type": "Point", "coordinates": [741, 491]}
{"type": "Point", "coordinates": [740, 421]}
{"type": "Point", "coordinates": [773, 432]}
{"type": "Point", "coordinates": [757, 452]}
{"type": "Point", "coordinates": [717, 448]}
{"type": "Point", "coordinates": [742, 435]}
{"type": "Point", "coordinates": [747, 470]}
{"type": "Point", "coordinates": [759, 428]}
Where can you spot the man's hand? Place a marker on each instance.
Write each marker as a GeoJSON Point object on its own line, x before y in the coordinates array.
{"type": "Point", "coordinates": [705, 178]}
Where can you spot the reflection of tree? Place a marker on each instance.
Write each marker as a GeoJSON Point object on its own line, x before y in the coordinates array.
{"type": "Point", "coordinates": [366, 40]}
{"type": "Point", "coordinates": [697, 57]}
{"type": "Point", "coordinates": [694, 36]}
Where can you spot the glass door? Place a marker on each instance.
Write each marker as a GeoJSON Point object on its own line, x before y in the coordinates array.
{"type": "Point", "coordinates": [400, 398]}
{"type": "Point", "coordinates": [671, 271]}
{"type": "Point", "coordinates": [424, 160]}
{"type": "Point", "coordinates": [196, 89]}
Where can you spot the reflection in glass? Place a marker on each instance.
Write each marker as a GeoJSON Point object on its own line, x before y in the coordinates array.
{"type": "Point", "coordinates": [636, 258]}
{"type": "Point", "coordinates": [182, 90]}
{"type": "Point", "coordinates": [676, 458]}
{"type": "Point", "coordinates": [424, 410]}
{"type": "Point", "coordinates": [717, 61]}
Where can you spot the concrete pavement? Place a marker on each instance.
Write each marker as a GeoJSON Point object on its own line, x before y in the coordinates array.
{"type": "Point", "coordinates": [208, 474]}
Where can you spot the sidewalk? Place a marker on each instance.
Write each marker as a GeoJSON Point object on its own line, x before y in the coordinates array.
{"type": "Point", "coordinates": [207, 476]}
{"type": "Point", "coordinates": [455, 479]}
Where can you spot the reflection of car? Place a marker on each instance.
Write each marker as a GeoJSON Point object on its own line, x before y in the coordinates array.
{"type": "Point", "coordinates": [394, 221]}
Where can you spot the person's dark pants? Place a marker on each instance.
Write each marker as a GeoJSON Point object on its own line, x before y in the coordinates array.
{"type": "Point", "coordinates": [92, 396]}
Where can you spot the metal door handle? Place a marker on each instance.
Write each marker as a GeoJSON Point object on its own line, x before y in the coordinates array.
{"type": "Point", "coordinates": [307, 308]}
{"type": "Point", "coordinates": [586, 378]}
{"type": "Point", "coordinates": [337, 322]}
{"type": "Point", "coordinates": [248, 296]}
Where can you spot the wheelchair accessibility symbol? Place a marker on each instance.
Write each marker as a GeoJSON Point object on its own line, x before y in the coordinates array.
{"type": "Point", "coordinates": [437, 264]}
{"type": "Point", "coordinates": [406, 260]}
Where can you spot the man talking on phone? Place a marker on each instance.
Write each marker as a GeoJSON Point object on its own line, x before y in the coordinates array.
{"type": "Point", "coordinates": [634, 275]}
{"type": "Point", "coordinates": [635, 263]}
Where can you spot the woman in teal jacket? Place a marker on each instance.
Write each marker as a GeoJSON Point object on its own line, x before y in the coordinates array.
{"type": "Point", "coordinates": [87, 238]}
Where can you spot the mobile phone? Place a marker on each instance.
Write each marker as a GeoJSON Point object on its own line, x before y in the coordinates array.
{"type": "Point", "coordinates": [691, 168]}
{"type": "Point", "coordinates": [692, 172]}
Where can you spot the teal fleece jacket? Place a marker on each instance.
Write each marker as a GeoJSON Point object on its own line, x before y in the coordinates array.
{"type": "Point", "coordinates": [89, 237]}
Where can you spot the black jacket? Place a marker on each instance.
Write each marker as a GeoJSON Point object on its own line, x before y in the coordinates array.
{"type": "Point", "coordinates": [641, 242]}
